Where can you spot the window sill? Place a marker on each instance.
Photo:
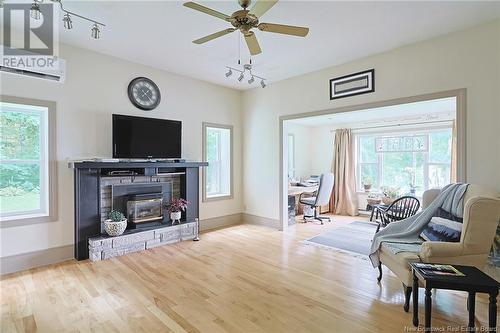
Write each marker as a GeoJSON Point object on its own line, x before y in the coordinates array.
{"type": "Point", "coordinates": [21, 220]}
{"type": "Point", "coordinates": [218, 198]}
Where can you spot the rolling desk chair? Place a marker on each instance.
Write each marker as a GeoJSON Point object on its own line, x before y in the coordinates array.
{"type": "Point", "coordinates": [322, 197]}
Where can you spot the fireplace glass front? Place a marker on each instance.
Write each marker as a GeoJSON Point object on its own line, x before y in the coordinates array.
{"type": "Point", "coordinates": [145, 207]}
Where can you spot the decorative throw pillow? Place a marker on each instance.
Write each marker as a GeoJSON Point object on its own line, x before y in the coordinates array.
{"type": "Point", "coordinates": [442, 230]}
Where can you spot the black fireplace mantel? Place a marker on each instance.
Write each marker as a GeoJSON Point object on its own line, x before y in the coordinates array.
{"type": "Point", "coordinates": [87, 178]}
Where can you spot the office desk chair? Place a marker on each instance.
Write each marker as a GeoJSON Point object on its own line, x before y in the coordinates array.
{"type": "Point", "coordinates": [321, 198]}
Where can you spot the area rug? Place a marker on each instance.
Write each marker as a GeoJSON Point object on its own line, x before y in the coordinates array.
{"type": "Point", "coordinates": [354, 238]}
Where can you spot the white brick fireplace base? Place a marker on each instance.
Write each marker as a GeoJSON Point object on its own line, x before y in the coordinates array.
{"type": "Point", "coordinates": [105, 247]}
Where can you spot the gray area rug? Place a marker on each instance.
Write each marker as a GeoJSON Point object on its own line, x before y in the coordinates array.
{"type": "Point", "coordinates": [354, 238]}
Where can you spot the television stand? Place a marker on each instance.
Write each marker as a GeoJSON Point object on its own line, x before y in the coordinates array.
{"type": "Point", "coordinates": [93, 199]}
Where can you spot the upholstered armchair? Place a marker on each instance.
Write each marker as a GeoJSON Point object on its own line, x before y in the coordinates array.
{"type": "Point", "coordinates": [481, 216]}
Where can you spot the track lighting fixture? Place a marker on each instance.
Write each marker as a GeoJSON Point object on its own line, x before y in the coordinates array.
{"type": "Point", "coordinates": [96, 32]}
{"type": "Point", "coordinates": [35, 12]}
{"type": "Point", "coordinates": [246, 67]}
{"type": "Point", "coordinates": [68, 23]}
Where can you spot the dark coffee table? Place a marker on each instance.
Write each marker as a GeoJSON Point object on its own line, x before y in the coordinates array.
{"type": "Point", "coordinates": [473, 282]}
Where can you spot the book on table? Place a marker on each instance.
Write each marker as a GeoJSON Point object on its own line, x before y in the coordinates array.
{"type": "Point", "coordinates": [438, 270]}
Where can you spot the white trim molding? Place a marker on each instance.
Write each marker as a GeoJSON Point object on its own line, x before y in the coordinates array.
{"type": "Point", "coordinates": [205, 125]}
{"type": "Point", "coordinates": [52, 163]}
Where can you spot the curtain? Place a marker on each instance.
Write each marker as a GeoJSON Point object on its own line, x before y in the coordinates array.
{"type": "Point", "coordinates": [453, 166]}
{"type": "Point", "coordinates": [345, 201]}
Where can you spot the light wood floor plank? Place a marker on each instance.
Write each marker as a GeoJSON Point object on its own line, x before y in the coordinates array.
{"type": "Point", "coordinates": [241, 279]}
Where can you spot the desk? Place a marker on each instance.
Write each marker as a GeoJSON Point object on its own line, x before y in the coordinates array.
{"type": "Point", "coordinates": [293, 193]}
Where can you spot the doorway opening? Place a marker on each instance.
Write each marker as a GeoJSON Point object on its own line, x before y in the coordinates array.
{"type": "Point", "coordinates": [394, 148]}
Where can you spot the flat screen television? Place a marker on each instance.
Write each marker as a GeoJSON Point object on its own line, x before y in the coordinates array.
{"type": "Point", "coordinates": [138, 137]}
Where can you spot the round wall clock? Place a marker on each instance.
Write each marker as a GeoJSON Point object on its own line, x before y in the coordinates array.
{"type": "Point", "coordinates": [144, 93]}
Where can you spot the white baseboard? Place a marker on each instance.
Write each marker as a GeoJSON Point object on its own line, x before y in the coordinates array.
{"type": "Point", "coordinates": [220, 222]}
{"type": "Point", "coordinates": [259, 220]}
{"type": "Point", "coordinates": [20, 262]}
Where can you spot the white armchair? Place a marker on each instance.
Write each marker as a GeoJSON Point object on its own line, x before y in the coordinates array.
{"type": "Point", "coordinates": [481, 216]}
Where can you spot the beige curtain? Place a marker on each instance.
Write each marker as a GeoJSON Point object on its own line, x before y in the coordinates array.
{"type": "Point", "coordinates": [453, 167]}
{"type": "Point", "coordinates": [345, 201]}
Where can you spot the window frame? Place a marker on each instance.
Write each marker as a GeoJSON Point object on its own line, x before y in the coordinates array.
{"type": "Point", "coordinates": [291, 139]}
{"type": "Point", "coordinates": [397, 132]}
{"type": "Point", "coordinates": [50, 179]}
{"type": "Point", "coordinates": [205, 198]}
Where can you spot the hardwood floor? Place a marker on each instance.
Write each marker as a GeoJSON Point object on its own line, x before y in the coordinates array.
{"type": "Point", "coordinates": [240, 279]}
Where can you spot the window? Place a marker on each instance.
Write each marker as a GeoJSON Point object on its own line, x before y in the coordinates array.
{"type": "Point", "coordinates": [218, 153]}
{"type": "Point", "coordinates": [291, 156]}
{"type": "Point", "coordinates": [418, 158]}
{"type": "Point", "coordinates": [26, 180]}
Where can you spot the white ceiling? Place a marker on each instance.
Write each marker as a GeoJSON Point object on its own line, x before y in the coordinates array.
{"type": "Point", "coordinates": [427, 111]}
{"type": "Point", "coordinates": [159, 33]}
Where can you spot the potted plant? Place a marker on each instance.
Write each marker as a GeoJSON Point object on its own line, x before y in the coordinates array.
{"type": "Point", "coordinates": [175, 208]}
{"type": "Point", "coordinates": [367, 183]}
{"type": "Point", "coordinates": [373, 199]}
{"type": "Point", "coordinates": [412, 180]}
{"type": "Point", "coordinates": [390, 194]}
{"type": "Point", "coordinates": [115, 224]}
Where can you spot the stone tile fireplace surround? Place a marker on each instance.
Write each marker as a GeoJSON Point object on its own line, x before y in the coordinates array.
{"type": "Point", "coordinates": [102, 186]}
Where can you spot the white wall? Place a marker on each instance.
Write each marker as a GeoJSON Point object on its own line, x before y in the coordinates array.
{"type": "Point", "coordinates": [303, 149]}
{"type": "Point", "coordinates": [96, 87]}
{"type": "Point", "coordinates": [467, 59]}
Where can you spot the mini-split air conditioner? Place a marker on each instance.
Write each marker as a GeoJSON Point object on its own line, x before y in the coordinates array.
{"type": "Point", "coordinates": [14, 66]}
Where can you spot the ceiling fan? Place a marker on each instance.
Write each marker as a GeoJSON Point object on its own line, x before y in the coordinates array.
{"type": "Point", "coordinates": [245, 20]}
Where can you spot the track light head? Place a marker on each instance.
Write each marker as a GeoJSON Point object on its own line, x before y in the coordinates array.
{"type": "Point", "coordinates": [229, 73]}
{"type": "Point", "coordinates": [35, 12]}
{"type": "Point", "coordinates": [241, 77]}
{"type": "Point", "coordinates": [262, 84]}
{"type": "Point", "coordinates": [252, 79]}
{"type": "Point", "coordinates": [96, 31]}
{"type": "Point", "coordinates": [68, 23]}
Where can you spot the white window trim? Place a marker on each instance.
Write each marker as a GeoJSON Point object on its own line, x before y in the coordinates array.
{"type": "Point", "coordinates": [33, 217]}
{"type": "Point", "coordinates": [205, 198]}
{"type": "Point", "coordinates": [394, 132]}
{"type": "Point", "coordinates": [291, 168]}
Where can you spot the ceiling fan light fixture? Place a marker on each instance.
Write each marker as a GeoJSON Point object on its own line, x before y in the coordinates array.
{"type": "Point", "coordinates": [262, 84]}
{"type": "Point", "coordinates": [241, 77]}
{"type": "Point", "coordinates": [229, 73]}
{"type": "Point", "coordinates": [68, 23]}
{"type": "Point", "coordinates": [252, 79]}
{"type": "Point", "coordinates": [35, 12]}
{"type": "Point", "coordinates": [245, 20]}
{"type": "Point", "coordinates": [96, 31]}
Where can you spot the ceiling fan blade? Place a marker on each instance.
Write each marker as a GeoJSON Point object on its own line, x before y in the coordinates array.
{"type": "Point", "coordinates": [284, 29]}
{"type": "Point", "coordinates": [206, 10]}
{"type": "Point", "coordinates": [262, 6]}
{"type": "Point", "coordinates": [213, 36]}
{"type": "Point", "coordinates": [252, 43]}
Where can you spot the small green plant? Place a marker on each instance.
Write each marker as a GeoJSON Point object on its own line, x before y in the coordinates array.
{"type": "Point", "coordinates": [116, 216]}
{"type": "Point", "coordinates": [390, 192]}
{"type": "Point", "coordinates": [368, 181]}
